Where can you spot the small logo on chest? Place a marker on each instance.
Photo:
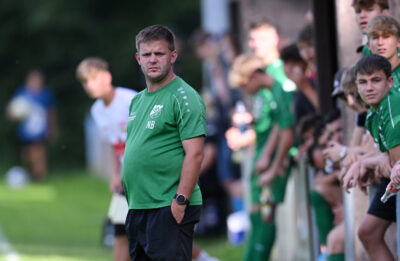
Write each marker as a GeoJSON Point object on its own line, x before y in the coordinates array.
{"type": "Point", "coordinates": [156, 111]}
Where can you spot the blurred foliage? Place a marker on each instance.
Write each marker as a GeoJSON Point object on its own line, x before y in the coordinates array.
{"type": "Point", "coordinates": [56, 35]}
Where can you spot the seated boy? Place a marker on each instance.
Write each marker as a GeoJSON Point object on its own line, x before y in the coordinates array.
{"type": "Point", "coordinates": [374, 83]}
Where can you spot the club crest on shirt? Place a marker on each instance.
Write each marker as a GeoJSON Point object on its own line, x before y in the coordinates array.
{"type": "Point", "coordinates": [156, 111]}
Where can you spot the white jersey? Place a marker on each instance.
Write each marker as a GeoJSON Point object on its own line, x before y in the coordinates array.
{"type": "Point", "coordinates": [111, 120]}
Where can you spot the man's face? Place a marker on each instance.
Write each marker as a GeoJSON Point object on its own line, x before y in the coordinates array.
{"type": "Point", "coordinates": [155, 59]}
{"type": "Point", "coordinates": [374, 87]}
{"type": "Point", "coordinates": [253, 83]}
{"type": "Point", "coordinates": [97, 84]}
{"type": "Point", "coordinates": [363, 15]}
{"type": "Point", "coordinates": [335, 130]}
{"type": "Point", "coordinates": [263, 40]}
{"type": "Point", "coordinates": [384, 44]}
{"type": "Point", "coordinates": [295, 71]}
{"type": "Point", "coordinates": [307, 52]}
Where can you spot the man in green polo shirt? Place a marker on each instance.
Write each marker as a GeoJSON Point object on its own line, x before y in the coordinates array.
{"type": "Point", "coordinates": [164, 150]}
{"type": "Point", "coordinates": [271, 115]}
{"type": "Point", "coordinates": [374, 83]}
{"type": "Point", "coordinates": [274, 147]}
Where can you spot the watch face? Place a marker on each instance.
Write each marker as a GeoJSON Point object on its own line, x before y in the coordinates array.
{"type": "Point", "coordinates": [181, 199]}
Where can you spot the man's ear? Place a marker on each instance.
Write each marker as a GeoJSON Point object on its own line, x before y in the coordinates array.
{"type": "Point", "coordinates": [174, 56]}
{"type": "Point", "coordinates": [108, 76]}
{"type": "Point", "coordinates": [137, 56]}
{"type": "Point", "coordinates": [390, 81]}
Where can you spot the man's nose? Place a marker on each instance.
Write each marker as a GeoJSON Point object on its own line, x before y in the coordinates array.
{"type": "Point", "coordinates": [153, 58]}
{"type": "Point", "coordinates": [369, 86]}
{"type": "Point", "coordinates": [363, 13]}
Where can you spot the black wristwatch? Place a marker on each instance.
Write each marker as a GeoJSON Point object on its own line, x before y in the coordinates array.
{"type": "Point", "coordinates": [181, 199]}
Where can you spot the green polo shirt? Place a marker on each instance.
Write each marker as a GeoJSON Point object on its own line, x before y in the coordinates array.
{"type": "Point", "coordinates": [158, 122]}
{"type": "Point", "coordinates": [384, 123]}
{"type": "Point", "coordinates": [282, 90]}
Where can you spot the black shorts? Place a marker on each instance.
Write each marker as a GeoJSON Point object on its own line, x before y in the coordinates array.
{"type": "Point", "coordinates": [386, 211]}
{"type": "Point", "coordinates": [154, 234]}
{"type": "Point", "coordinates": [119, 230]}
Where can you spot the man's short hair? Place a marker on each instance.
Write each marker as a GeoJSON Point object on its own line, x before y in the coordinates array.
{"type": "Point", "coordinates": [306, 36]}
{"type": "Point", "coordinates": [89, 66]}
{"type": "Point", "coordinates": [155, 33]}
{"type": "Point", "coordinates": [332, 116]}
{"type": "Point", "coordinates": [383, 24]}
{"type": "Point", "coordinates": [372, 63]}
{"type": "Point", "coordinates": [263, 23]}
{"type": "Point", "coordinates": [291, 53]}
{"type": "Point", "coordinates": [365, 4]}
{"type": "Point", "coordinates": [243, 67]}
{"type": "Point", "coordinates": [307, 122]}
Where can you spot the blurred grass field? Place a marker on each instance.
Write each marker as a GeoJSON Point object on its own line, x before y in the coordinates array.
{"type": "Point", "coordinates": [61, 220]}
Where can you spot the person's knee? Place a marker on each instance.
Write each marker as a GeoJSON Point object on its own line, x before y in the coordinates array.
{"type": "Point", "coordinates": [369, 233]}
{"type": "Point", "coordinates": [335, 241]}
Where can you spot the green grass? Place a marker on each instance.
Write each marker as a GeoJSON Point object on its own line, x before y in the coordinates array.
{"type": "Point", "coordinates": [57, 220]}
{"type": "Point", "coordinates": [61, 220]}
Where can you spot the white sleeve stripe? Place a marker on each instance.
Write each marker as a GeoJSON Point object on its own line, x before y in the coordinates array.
{"type": "Point", "coordinates": [390, 112]}
{"type": "Point", "coordinates": [179, 106]}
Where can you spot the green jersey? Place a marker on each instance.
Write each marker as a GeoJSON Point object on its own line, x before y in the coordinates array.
{"type": "Point", "coordinates": [264, 109]}
{"type": "Point", "coordinates": [275, 69]}
{"type": "Point", "coordinates": [365, 51]}
{"type": "Point", "coordinates": [272, 106]}
{"type": "Point", "coordinates": [158, 123]}
{"type": "Point", "coordinates": [384, 123]}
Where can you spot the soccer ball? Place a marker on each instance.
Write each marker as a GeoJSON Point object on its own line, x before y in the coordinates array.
{"type": "Point", "coordinates": [17, 177]}
{"type": "Point", "coordinates": [18, 108]}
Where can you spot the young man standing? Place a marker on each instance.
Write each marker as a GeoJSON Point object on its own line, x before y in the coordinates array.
{"type": "Point", "coordinates": [374, 83]}
{"type": "Point", "coordinates": [164, 150]}
{"type": "Point", "coordinates": [110, 113]}
{"type": "Point", "coordinates": [366, 10]}
{"type": "Point", "coordinates": [384, 39]}
{"type": "Point", "coordinates": [264, 40]}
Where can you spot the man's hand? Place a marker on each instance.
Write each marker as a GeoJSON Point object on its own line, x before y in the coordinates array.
{"type": "Point", "coordinates": [266, 178]}
{"type": "Point", "coordinates": [178, 211]}
{"type": "Point", "coordinates": [116, 185]}
{"type": "Point", "coordinates": [346, 164]}
{"type": "Point", "coordinates": [237, 140]}
{"type": "Point", "coordinates": [262, 164]}
{"type": "Point", "coordinates": [351, 177]}
{"type": "Point", "coordinates": [395, 174]}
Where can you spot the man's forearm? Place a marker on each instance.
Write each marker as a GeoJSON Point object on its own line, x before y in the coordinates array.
{"type": "Point", "coordinates": [271, 142]}
{"type": "Point", "coordinates": [191, 165]}
{"type": "Point", "coordinates": [189, 174]}
{"type": "Point", "coordinates": [286, 141]}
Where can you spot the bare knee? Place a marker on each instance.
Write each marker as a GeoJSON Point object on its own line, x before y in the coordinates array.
{"type": "Point", "coordinates": [335, 240]}
{"type": "Point", "coordinates": [372, 230]}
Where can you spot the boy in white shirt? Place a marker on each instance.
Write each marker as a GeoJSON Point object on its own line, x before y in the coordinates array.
{"type": "Point", "coordinates": [110, 112]}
